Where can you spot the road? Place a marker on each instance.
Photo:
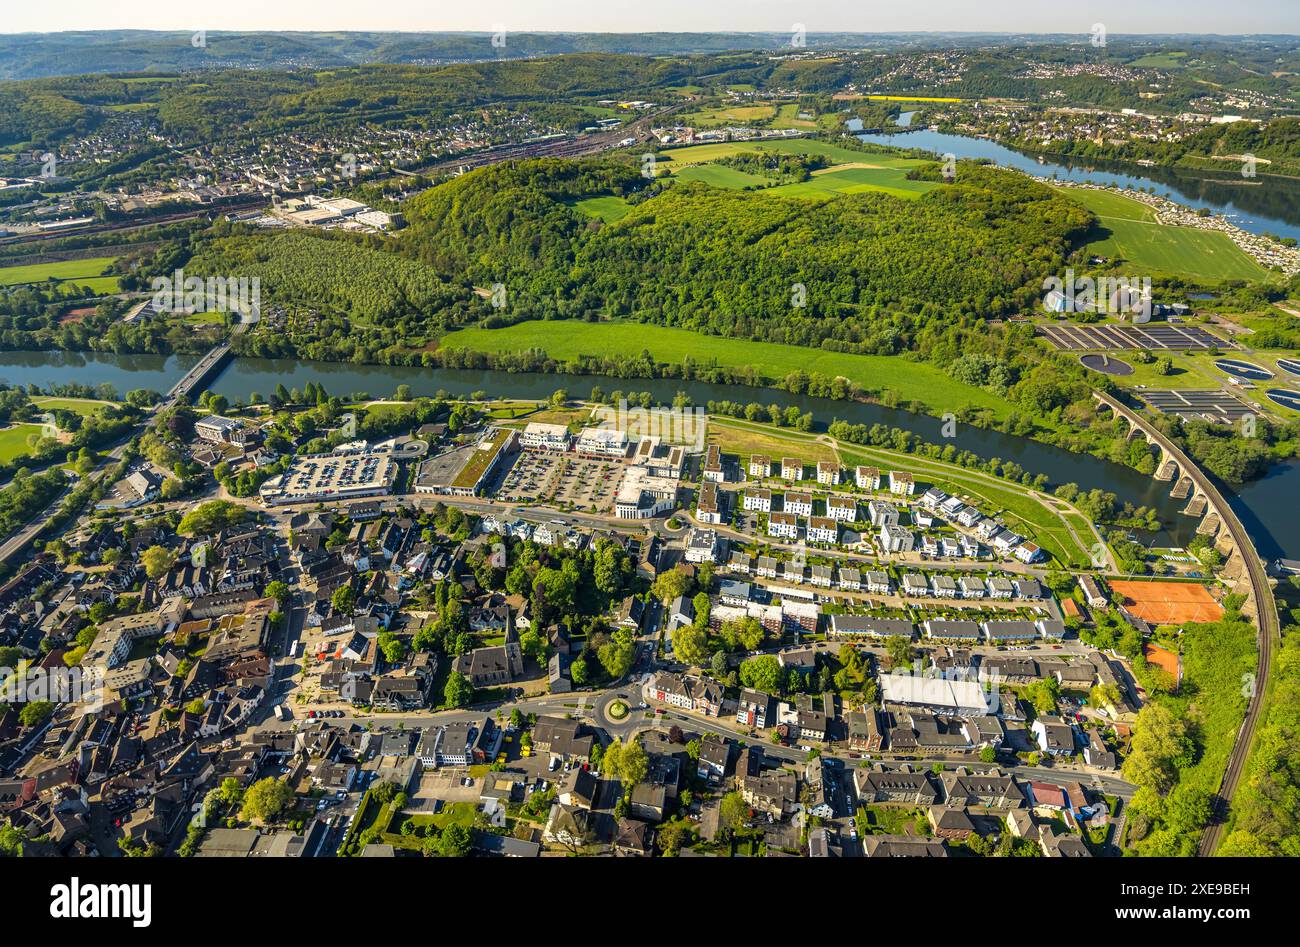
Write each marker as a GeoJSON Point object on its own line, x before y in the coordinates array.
{"type": "Point", "coordinates": [1265, 605]}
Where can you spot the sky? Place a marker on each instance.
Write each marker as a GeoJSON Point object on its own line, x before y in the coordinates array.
{"type": "Point", "coordinates": [638, 16]}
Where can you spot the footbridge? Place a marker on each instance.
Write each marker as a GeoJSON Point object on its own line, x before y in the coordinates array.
{"type": "Point", "coordinates": [1243, 566]}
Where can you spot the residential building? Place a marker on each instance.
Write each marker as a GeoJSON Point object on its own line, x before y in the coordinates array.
{"type": "Point", "coordinates": [867, 478]}
{"type": "Point", "coordinates": [828, 473]}
{"type": "Point", "coordinates": [757, 501]}
{"type": "Point", "coordinates": [901, 483]}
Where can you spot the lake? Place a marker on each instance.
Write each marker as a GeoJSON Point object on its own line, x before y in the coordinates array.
{"type": "Point", "coordinates": [1262, 204]}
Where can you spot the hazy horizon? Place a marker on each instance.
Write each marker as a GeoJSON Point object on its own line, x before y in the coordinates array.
{"type": "Point", "coordinates": [1205, 17]}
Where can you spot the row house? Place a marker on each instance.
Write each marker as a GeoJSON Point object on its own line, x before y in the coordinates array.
{"type": "Point", "coordinates": [849, 579]}
{"type": "Point", "coordinates": [901, 483]}
{"type": "Point", "coordinates": [688, 693]}
{"type": "Point", "coordinates": [713, 471]}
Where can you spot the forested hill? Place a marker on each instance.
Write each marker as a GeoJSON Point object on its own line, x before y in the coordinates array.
{"type": "Point", "coordinates": [729, 261]}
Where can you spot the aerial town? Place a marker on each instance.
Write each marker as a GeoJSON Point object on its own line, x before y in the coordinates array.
{"type": "Point", "coordinates": [633, 432]}
{"type": "Point", "coordinates": [529, 638]}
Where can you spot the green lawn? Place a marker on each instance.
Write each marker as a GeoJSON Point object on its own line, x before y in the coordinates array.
{"type": "Point", "coordinates": [87, 272]}
{"type": "Point", "coordinates": [83, 406]}
{"type": "Point", "coordinates": [855, 181]}
{"type": "Point", "coordinates": [1129, 231]}
{"type": "Point", "coordinates": [13, 440]}
{"type": "Point", "coordinates": [606, 207]}
{"type": "Point", "coordinates": [717, 175]}
{"type": "Point", "coordinates": [566, 340]}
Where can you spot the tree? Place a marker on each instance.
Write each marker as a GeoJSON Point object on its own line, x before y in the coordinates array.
{"type": "Point", "coordinates": [988, 754]}
{"type": "Point", "coordinates": [762, 673]}
{"type": "Point", "coordinates": [265, 800]}
{"type": "Point", "coordinates": [691, 644]}
{"type": "Point", "coordinates": [343, 600]}
{"type": "Point", "coordinates": [899, 650]}
{"type": "Point", "coordinates": [617, 654]}
{"type": "Point", "coordinates": [733, 811]}
{"type": "Point", "coordinates": [277, 590]}
{"type": "Point", "coordinates": [157, 561]}
{"type": "Point", "coordinates": [455, 841]}
{"type": "Point", "coordinates": [670, 585]}
{"type": "Point", "coordinates": [35, 713]}
{"type": "Point", "coordinates": [393, 647]}
{"type": "Point", "coordinates": [628, 762]}
{"type": "Point", "coordinates": [458, 692]}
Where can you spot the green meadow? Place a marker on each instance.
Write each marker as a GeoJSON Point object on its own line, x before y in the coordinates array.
{"type": "Point", "coordinates": [1128, 230]}
{"type": "Point", "coordinates": [567, 340]}
{"type": "Point", "coordinates": [851, 172]}
{"type": "Point", "coordinates": [88, 272]}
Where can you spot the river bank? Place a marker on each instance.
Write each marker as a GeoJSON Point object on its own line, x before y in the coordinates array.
{"type": "Point", "coordinates": [1266, 506]}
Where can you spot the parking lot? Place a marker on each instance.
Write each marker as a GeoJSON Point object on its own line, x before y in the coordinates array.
{"type": "Point", "coordinates": [585, 483]}
{"type": "Point", "coordinates": [533, 476]}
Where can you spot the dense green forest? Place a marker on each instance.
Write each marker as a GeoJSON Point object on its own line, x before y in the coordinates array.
{"type": "Point", "coordinates": [727, 261]}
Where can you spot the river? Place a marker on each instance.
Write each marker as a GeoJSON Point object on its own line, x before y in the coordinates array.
{"type": "Point", "coordinates": [1266, 506]}
{"type": "Point", "coordinates": [1263, 204]}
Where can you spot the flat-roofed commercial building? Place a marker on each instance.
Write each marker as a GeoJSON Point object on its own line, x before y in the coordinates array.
{"type": "Point", "coordinates": [642, 495]}
{"type": "Point", "coordinates": [333, 476]}
{"type": "Point", "coordinates": [541, 436]}
{"type": "Point", "coordinates": [602, 442]}
{"type": "Point", "coordinates": [464, 472]}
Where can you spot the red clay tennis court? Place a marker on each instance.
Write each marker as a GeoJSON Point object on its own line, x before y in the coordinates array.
{"type": "Point", "coordinates": [1168, 603]}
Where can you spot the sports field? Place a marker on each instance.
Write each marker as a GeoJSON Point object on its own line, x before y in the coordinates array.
{"type": "Point", "coordinates": [87, 272]}
{"type": "Point", "coordinates": [566, 340]}
{"type": "Point", "coordinates": [1129, 231]}
{"type": "Point", "coordinates": [1168, 603]}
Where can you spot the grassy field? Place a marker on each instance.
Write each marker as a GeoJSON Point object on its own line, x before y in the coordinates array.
{"type": "Point", "coordinates": [717, 175]}
{"type": "Point", "coordinates": [1129, 231]}
{"type": "Point", "coordinates": [852, 172]}
{"type": "Point", "coordinates": [729, 115]}
{"type": "Point", "coordinates": [849, 180]}
{"type": "Point", "coordinates": [85, 272]}
{"type": "Point", "coordinates": [83, 406]}
{"type": "Point", "coordinates": [606, 207]}
{"type": "Point", "coordinates": [13, 440]}
{"type": "Point", "coordinates": [702, 154]}
{"type": "Point", "coordinates": [1110, 204]}
{"type": "Point", "coordinates": [912, 381]}
{"type": "Point", "coordinates": [746, 440]}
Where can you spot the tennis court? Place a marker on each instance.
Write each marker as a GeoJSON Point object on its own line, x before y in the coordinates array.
{"type": "Point", "coordinates": [1168, 603]}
